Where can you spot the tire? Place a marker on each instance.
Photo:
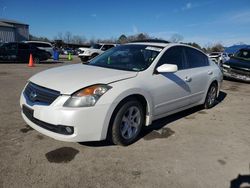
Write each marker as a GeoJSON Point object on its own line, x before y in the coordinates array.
{"type": "Point", "coordinates": [36, 60]}
{"type": "Point", "coordinates": [93, 56]}
{"type": "Point", "coordinates": [127, 123]}
{"type": "Point", "coordinates": [211, 96]}
{"type": "Point", "coordinates": [84, 59]}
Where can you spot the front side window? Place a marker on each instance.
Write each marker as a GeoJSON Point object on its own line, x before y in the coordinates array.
{"type": "Point", "coordinates": [195, 58]}
{"type": "Point", "coordinates": [106, 47]}
{"type": "Point", "coordinates": [127, 57]}
{"type": "Point", "coordinates": [174, 55]}
{"type": "Point", "coordinates": [96, 46]}
{"type": "Point", "coordinates": [23, 46]}
{"type": "Point", "coordinates": [32, 47]}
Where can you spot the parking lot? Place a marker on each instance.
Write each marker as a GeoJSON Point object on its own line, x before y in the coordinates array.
{"type": "Point", "coordinates": [195, 148]}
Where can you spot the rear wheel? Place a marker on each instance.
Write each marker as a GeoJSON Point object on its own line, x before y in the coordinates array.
{"type": "Point", "coordinates": [211, 96]}
{"type": "Point", "coordinates": [128, 122]}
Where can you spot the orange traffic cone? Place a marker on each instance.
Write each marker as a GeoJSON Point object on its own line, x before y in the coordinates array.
{"type": "Point", "coordinates": [31, 63]}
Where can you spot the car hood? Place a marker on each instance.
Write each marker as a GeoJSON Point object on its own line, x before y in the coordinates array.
{"type": "Point", "coordinates": [93, 50]}
{"type": "Point", "coordinates": [238, 63]}
{"type": "Point", "coordinates": [68, 79]}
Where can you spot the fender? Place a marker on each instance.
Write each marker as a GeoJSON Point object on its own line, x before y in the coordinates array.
{"type": "Point", "coordinates": [121, 96]}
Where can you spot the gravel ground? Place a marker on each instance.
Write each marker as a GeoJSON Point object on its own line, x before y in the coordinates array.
{"type": "Point", "coordinates": [194, 148]}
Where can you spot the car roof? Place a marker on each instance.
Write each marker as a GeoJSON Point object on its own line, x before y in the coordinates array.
{"type": "Point", "coordinates": [30, 41]}
{"type": "Point", "coordinates": [153, 42]}
{"type": "Point", "coordinates": [105, 43]}
{"type": "Point", "coordinates": [247, 49]}
{"type": "Point", "coordinates": [163, 44]}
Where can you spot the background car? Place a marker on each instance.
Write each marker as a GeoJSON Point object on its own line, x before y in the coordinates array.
{"type": "Point", "coordinates": [94, 51]}
{"type": "Point", "coordinates": [42, 45]}
{"type": "Point", "coordinates": [67, 51]}
{"type": "Point", "coordinates": [219, 57]}
{"type": "Point", "coordinates": [238, 67]}
{"type": "Point", "coordinates": [81, 50]}
{"type": "Point", "coordinates": [119, 92]}
{"type": "Point", "coordinates": [20, 52]}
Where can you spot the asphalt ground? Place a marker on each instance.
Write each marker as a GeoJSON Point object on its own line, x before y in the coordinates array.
{"type": "Point", "coordinates": [194, 148]}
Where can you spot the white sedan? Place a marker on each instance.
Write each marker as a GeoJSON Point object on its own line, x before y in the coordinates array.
{"type": "Point", "coordinates": [119, 92]}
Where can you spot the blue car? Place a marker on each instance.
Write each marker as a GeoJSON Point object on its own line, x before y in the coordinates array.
{"type": "Point", "coordinates": [238, 66]}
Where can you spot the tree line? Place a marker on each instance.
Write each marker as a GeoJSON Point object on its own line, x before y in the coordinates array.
{"type": "Point", "coordinates": [69, 38]}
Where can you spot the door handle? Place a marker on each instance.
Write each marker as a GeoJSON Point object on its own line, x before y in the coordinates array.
{"type": "Point", "coordinates": [188, 79]}
{"type": "Point", "coordinates": [210, 72]}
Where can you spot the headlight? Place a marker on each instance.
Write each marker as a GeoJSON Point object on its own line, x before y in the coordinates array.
{"type": "Point", "coordinates": [87, 97]}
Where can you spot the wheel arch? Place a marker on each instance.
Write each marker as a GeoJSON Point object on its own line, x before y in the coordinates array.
{"type": "Point", "coordinates": [211, 82]}
{"type": "Point", "coordinates": [94, 54]}
{"type": "Point", "coordinates": [120, 100]}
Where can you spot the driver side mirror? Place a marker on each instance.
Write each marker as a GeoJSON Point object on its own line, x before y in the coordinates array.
{"type": "Point", "coordinates": [167, 68]}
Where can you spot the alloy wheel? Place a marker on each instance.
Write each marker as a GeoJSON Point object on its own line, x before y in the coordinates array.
{"type": "Point", "coordinates": [130, 122]}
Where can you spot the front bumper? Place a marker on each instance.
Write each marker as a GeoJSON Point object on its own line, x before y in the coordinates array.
{"type": "Point", "coordinates": [228, 72]}
{"type": "Point", "coordinates": [88, 124]}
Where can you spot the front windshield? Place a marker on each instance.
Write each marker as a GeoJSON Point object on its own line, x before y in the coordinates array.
{"type": "Point", "coordinates": [96, 46]}
{"type": "Point", "coordinates": [243, 54]}
{"type": "Point", "coordinates": [130, 57]}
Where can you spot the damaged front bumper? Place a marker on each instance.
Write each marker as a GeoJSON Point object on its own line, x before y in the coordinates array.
{"type": "Point", "coordinates": [241, 74]}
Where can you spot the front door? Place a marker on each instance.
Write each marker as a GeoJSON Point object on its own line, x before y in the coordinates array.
{"type": "Point", "coordinates": [170, 90]}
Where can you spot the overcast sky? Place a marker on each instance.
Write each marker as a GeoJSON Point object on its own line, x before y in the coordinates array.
{"type": "Point", "coordinates": [204, 22]}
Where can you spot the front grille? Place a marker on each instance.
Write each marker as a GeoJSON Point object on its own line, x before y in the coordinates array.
{"type": "Point", "coordinates": [38, 94]}
{"type": "Point", "coordinates": [61, 129]}
{"type": "Point", "coordinates": [240, 71]}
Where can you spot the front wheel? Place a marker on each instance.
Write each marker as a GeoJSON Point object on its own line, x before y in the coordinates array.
{"type": "Point", "coordinates": [128, 122]}
{"type": "Point", "coordinates": [93, 56]}
{"type": "Point", "coordinates": [211, 96]}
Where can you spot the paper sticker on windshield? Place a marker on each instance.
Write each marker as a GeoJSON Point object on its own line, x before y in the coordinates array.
{"type": "Point", "coordinates": [154, 48]}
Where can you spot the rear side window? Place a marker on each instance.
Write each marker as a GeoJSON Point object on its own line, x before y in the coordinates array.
{"type": "Point", "coordinates": [195, 58]}
{"type": "Point", "coordinates": [23, 46]}
{"type": "Point", "coordinates": [174, 55]}
{"type": "Point", "coordinates": [43, 45]}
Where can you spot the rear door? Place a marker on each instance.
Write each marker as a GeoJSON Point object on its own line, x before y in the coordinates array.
{"type": "Point", "coordinates": [199, 73]}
